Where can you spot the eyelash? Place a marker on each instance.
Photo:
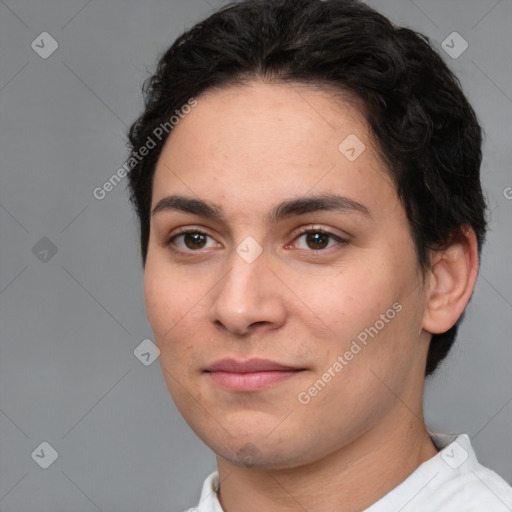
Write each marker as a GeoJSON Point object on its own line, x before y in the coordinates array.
{"type": "Point", "coordinates": [305, 231]}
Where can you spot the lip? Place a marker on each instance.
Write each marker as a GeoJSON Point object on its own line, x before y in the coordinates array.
{"type": "Point", "coordinates": [251, 365]}
{"type": "Point", "coordinates": [252, 375]}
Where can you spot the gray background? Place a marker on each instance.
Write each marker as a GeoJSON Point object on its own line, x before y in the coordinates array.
{"type": "Point", "coordinates": [70, 321]}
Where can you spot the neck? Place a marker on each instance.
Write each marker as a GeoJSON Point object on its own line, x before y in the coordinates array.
{"type": "Point", "coordinates": [350, 479]}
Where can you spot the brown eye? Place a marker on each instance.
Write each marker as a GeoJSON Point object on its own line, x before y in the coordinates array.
{"type": "Point", "coordinates": [194, 240]}
{"type": "Point", "coordinates": [189, 241]}
{"type": "Point", "coordinates": [317, 240]}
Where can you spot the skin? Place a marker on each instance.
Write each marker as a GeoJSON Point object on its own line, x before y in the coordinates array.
{"type": "Point", "coordinates": [246, 149]}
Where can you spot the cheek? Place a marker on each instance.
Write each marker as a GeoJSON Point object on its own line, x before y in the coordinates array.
{"type": "Point", "coordinates": [373, 320]}
{"type": "Point", "coordinates": [354, 300]}
{"type": "Point", "coordinates": [176, 309]}
{"type": "Point", "coordinates": [167, 300]}
{"type": "Point", "coordinates": [167, 314]}
{"type": "Point", "coordinates": [158, 295]}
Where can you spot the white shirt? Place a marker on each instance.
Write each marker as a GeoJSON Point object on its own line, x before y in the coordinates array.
{"type": "Point", "coordinates": [451, 481]}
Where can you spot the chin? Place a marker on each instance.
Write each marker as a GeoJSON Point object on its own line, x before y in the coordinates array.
{"type": "Point", "coordinates": [252, 455]}
{"type": "Point", "coordinates": [260, 451]}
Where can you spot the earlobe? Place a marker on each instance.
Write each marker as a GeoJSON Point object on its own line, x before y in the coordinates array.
{"type": "Point", "coordinates": [451, 281]}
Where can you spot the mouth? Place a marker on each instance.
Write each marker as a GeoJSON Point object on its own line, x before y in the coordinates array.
{"type": "Point", "coordinates": [251, 375]}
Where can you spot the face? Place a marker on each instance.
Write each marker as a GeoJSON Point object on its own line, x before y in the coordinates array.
{"type": "Point", "coordinates": [281, 280]}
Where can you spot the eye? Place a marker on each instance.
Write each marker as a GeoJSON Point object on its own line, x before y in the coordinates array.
{"type": "Point", "coordinates": [191, 240]}
{"type": "Point", "coordinates": [318, 239]}
{"type": "Point", "coordinates": [313, 239]}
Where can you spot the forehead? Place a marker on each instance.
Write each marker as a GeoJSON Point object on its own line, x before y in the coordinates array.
{"type": "Point", "coordinates": [264, 140]}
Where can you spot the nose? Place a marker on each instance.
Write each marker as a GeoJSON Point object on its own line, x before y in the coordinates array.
{"type": "Point", "coordinates": [248, 298]}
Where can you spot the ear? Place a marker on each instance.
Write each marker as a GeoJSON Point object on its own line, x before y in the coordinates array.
{"type": "Point", "coordinates": [451, 281]}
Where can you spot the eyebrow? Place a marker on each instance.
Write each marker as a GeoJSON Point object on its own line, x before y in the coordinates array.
{"type": "Point", "coordinates": [282, 211]}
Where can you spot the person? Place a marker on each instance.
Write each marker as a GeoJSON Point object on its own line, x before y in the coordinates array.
{"type": "Point", "coordinates": [311, 222]}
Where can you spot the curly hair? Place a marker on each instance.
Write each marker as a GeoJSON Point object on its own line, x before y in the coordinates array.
{"type": "Point", "coordinates": [425, 130]}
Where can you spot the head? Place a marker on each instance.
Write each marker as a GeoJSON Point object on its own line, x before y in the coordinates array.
{"type": "Point", "coordinates": [326, 164]}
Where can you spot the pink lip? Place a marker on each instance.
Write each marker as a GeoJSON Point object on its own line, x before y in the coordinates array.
{"type": "Point", "coordinates": [251, 375]}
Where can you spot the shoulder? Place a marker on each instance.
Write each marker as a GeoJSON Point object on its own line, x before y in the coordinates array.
{"type": "Point", "coordinates": [475, 490]}
{"type": "Point", "coordinates": [451, 481]}
{"type": "Point", "coordinates": [466, 482]}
